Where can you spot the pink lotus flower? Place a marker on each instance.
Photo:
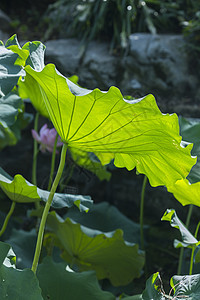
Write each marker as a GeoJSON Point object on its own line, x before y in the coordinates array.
{"type": "Point", "coordinates": [46, 138]}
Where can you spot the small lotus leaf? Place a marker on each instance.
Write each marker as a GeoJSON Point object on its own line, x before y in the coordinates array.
{"type": "Point", "coordinates": [20, 190]}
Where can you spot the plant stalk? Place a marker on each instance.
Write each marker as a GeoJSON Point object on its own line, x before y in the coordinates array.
{"type": "Point", "coordinates": [182, 249]}
{"type": "Point", "coordinates": [53, 158]}
{"type": "Point", "coordinates": [35, 152]}
{"type": "Point", "coordinates": [142, 212]}
{"type": "Point", "coordinates": [193, 249]}
{"type": "Point", "coordinates": [47, 207]}
{"type": "Point", "coordinates": [7, 218]}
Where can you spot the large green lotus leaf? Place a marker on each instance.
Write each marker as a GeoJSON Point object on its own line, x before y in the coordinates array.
{"type": "Point", "coordinates": [186, 287]}
{"type": "Point", "coordinates": [9, 71]}
{"type": "Point", "coordinates": [29, 88]}
{"type": "Point", "coordinates": [89, 162]}
{"type": "Point", "coordinates": [57, 283]}
{"type": "Point", "coordinates": [134, 133]}
{"type": "Point", "coordinates": [185, 192]}
{"type": "Point", "coordinates": [188, 191]}
{"type": "Point", "coordinates": [190, 131]}
{"type": "Point", "coordinates": [152, 290]}
{"type": "Point", "coordinates": [106, 253]}
{"type": "Point", "coordinates": [16, 284]}
{"type": "Point", "coordinates": [20, 190]}
{"type": "Point", "coordinates": [112, 220]}
{"type": "Point", "coordinates": [189, 240]}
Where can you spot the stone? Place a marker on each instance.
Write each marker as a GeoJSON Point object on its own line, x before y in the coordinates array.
{"type": "Point", "coordinates": [65, 54]}
{"type": "Point", "coordinates": [156, 64]}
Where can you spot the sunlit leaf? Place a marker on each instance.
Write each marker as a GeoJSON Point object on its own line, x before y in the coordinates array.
{"type": "Point", "coordinates": [190, 131]}
{"type": "Point", "coordinates": [13, 44]}
{"type": "Point", "coordinates": [57, 283]}
{"type": "Point", "coordinates": [185, 192]}
{"type": "Point", "coordinates": [20, 190]}
{"type": "Point", "coordinates": [188, 239]}
{"type": "Point", "coordinates": [106, 253]}
{"type": "Point", "coordinates": [134, 133]}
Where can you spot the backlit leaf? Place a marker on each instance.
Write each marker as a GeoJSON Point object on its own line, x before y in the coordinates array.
{"type": "Point", "coordinates": [20, 190]}
{"type": "Point", "coordinates": [134, 133]}
{"type": "Point", "coordinates": [106, 253]}
{"type": "Point", "coordinates": [188, 239]}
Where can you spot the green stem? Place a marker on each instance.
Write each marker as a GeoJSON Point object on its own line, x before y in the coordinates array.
{"type": "Point", "coordinates": [191, 260]}
{"type": "Point", "coordinates": [7, 218]}
{"type": "Point", "coordinates": [193, 249]}
{"type": "Point", "coordinates": [182, 249]}
{"type": "Point", "coordinates": [189, 216]}
{"type": "Point", "coordinates": [47, 207]}
{"type": "Point", "coordinates": [35, 152]}
{"type": "Point", "coordinates": [53, 158]}
{"type": "Point", "coordinates": [142, 212]}
{"type": "Point", "coordinates": [180, 261]}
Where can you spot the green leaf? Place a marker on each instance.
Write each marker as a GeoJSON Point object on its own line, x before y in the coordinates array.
{"type": "Point", "coordinates": [10, 105]}
{"type": "Point", "coordinates": [9, 71]}
{"type": "Point", "coordinates": [152, 290]}
{"type": "Point", "coordinates": [89, 162]}
{"type": "Point", "coordinates": [29, 88]}
{"type": "Point", "coordinates": [57, 283]}
{"type": "Point", "coordinates": [32, 53]}
{"type": "Point", "coordinates": [106, 253]}
{"type": "Point", "coordinates": [112, 220]}
{"type": "Point", "coordinates": [16, 284]}
{"type": "Point", "coordinates": [188, 239]}
{"type": "Point", "coordinates": [185, 192]}
{"type": "Point", "coordinates": [134, 133]}
{"type": "Point", "coordinates": [23, 243]}
{"type": "Point", "coordinates": [4, 251]}
{"type": "Point", "coordinates": [13, 44]}
{"type": "Point", "coordinates": [11, 109]}
{"type": "Point", "coordinates": [186, 287]}
{"type": "Point", "coordinates": [36, 52]}
{"type": "Point", "coordinates": [20, 190]}
{"type": "Point", "coordinates": [190, 131]}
